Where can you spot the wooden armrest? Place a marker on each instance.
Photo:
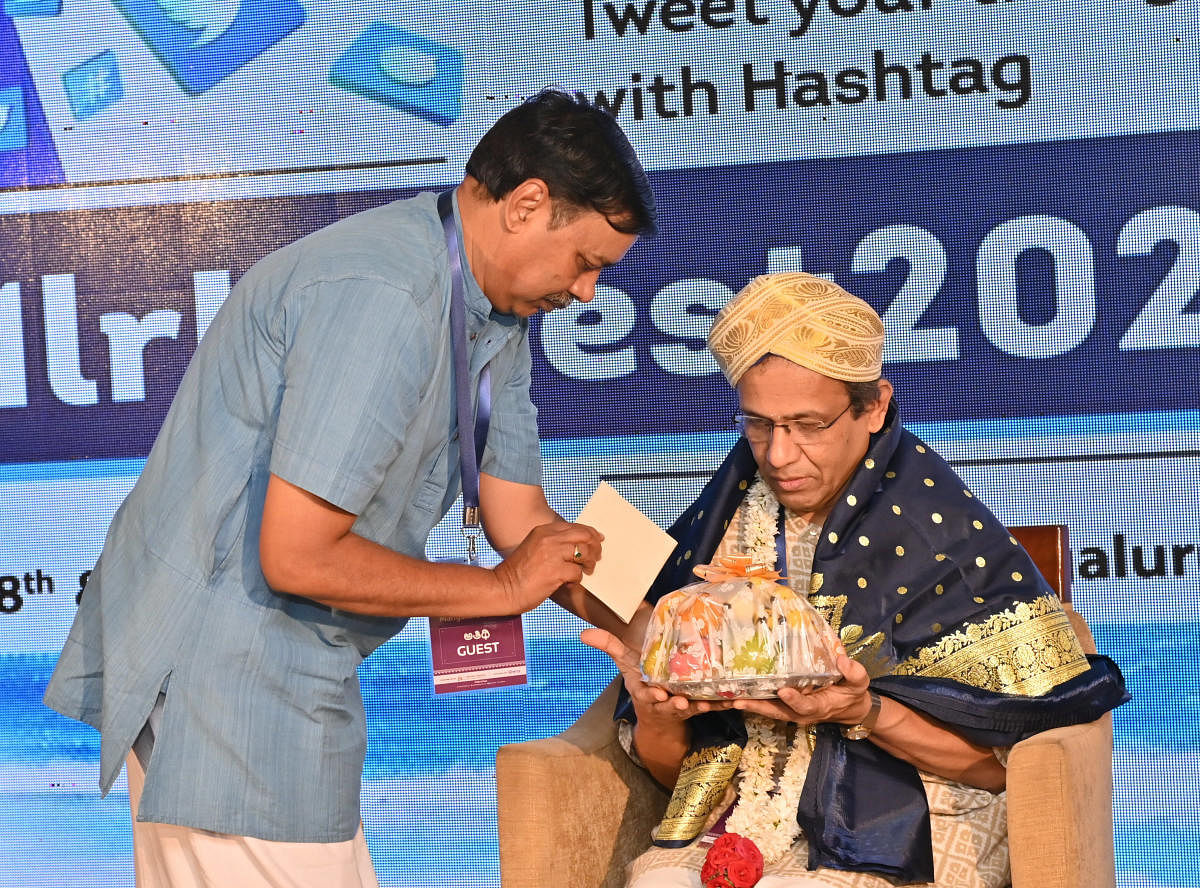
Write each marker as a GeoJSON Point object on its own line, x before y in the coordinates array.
{"type": "Point", "coordinates": [1060, 822]}
{"type": "Point", "coordinates": [573, 809]}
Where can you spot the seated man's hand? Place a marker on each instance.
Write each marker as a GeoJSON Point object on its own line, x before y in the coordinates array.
{"type": "Point", "coordinates": [845, 702]}
{"type": "Point", "coordinates": [545, 560]}
{"type": "Point", "coordinates": [649, 701]}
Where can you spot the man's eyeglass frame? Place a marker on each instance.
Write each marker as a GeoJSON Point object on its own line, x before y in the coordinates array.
{"type": "Point", "coordinates": [797, 431]}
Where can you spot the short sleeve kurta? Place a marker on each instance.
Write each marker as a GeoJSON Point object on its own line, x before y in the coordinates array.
{"type": "Point", "coordinates": [329, 366]}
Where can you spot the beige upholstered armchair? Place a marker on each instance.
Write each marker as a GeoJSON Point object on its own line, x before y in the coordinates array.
{"type": "Point", "coordinates": [573, 810]}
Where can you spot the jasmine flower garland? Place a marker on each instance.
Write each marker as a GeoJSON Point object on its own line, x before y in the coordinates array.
{"type": "Point", "coordinates": [766, 813]}
{"type": "Point", "coordinates": [769, 818]}
{"type": "Point", "coordinates": [761, 523]}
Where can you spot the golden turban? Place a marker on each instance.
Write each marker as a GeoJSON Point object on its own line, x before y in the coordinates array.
{"type": "Point", "coordinates": [806, 319]}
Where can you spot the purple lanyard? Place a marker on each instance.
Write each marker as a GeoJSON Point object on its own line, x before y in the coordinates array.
{"type": "Point", "coordinates": [470, 447]}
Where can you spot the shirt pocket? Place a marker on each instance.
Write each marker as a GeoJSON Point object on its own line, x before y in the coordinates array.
{"type": "Point", "coordinates": [230, 530]}
{"type": "Point", "coordinates": [434, 485]}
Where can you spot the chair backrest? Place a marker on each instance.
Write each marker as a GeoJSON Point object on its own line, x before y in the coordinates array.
{"type": "Point", "coordinates": [1049, 545]}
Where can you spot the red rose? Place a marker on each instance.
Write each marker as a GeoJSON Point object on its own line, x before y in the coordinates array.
{"type": "Point", "coordinates": [710, 871]}
{"type": "Point", "coordinates": [732, 862]}
{"type": "Point", "coordinates": [731, 845]}
{"type": "Point", "coordinates": [744, 873]}
{"type": "Point", "coordinates": [722, 855]}
{"type": "Point", "coordinates": [746, 849]}
{"type": "Point", "coordinates": [719, 856]}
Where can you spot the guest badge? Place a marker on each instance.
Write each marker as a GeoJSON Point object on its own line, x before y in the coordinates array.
{"type": "Point", "coordinates": [476, 653]}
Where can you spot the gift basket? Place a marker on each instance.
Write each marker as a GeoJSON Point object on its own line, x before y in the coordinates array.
{"type": "Point", "coordinates": [740, 633]}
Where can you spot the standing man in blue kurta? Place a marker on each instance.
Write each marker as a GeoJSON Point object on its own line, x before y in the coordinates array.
{"type": "Point", "coordinates": [276, 535]}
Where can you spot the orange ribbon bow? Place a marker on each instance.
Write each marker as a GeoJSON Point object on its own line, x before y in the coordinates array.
{"type": "Point", "coordinates": [735, 567]}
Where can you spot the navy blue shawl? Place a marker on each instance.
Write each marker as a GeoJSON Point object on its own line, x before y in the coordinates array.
{"type": "Point", "coordinates": [913, 571]}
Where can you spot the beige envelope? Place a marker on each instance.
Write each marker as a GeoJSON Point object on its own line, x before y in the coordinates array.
{"type": "Point", "coordinates": [635, 549]}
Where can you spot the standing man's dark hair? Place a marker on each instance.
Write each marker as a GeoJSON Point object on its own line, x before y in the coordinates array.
{"type": "Point", "coordinates": [578, 150]}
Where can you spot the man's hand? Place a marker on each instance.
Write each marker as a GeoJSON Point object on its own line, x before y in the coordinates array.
{"type": "Point", "coordinates": [545, 560]}
{"type": "Point", "coordinates": [909, 735]}
{"type": "Point", "coordinates": [662, 734]}
{"type": "Point", "coordinates": [845, 702]}
{"type": "Point", "coordinates": [651, 702]}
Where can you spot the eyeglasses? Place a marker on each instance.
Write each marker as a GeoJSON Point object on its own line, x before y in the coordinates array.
{"type": "Point", "coordinates": [759, 429]}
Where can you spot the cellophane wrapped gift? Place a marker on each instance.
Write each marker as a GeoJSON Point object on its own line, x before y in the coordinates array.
{"type": "Point", "coordinates": [740, 633]}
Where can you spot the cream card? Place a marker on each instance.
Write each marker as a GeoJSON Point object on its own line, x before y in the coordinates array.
{"type": "Point", "coordinates": [635, 549]}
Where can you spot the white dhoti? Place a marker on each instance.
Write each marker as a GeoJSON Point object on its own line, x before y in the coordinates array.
{"type": "Point", "coordinates": [170, 856]}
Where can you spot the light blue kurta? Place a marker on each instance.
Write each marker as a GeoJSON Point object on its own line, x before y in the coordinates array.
{"type": "Point", "coordinates": [330, 366]}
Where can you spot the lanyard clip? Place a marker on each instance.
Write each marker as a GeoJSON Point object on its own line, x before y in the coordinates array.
{"type": "Point", "coordinates": [470, 531]}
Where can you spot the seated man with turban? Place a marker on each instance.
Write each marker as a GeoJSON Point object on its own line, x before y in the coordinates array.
{"type": "Point", "coordinates": [954, 645]}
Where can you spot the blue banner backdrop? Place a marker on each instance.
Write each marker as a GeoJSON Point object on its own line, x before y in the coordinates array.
{"type": "Point", "coordinates": [991, 281]}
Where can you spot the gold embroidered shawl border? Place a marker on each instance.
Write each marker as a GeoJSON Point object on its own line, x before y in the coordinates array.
{"type": "Point", "coordinates": [1027, 649]}
{"type": "Point", "coordinates": [703, 778]}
